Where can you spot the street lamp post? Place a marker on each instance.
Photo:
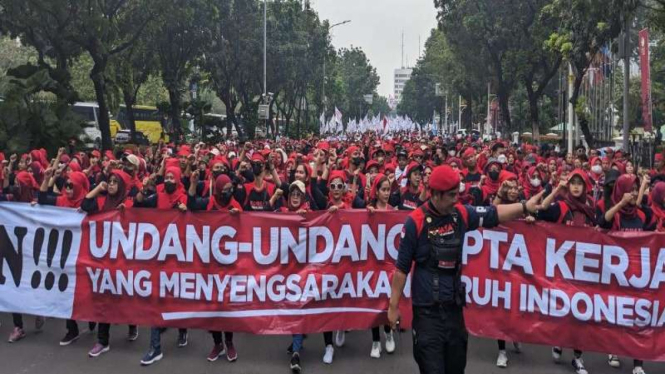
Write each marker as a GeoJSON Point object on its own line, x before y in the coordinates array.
{"type": "Point", "coordinates": [325, 102]}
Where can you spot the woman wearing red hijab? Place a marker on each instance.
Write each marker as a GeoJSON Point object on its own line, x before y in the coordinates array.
{"type": "Point", "coordinates": [657, 202]}
{"type": "Point", "coordinates": [170, 195]}
{"type": "Point", "coordinates": [489, 183]}
{"type": "Point", "coordinates": [508, 193]}
{"type": "Point", "coordinates": [379, 195]}
{"type": "Point", "coordinates": [75, 189]}
{"type": "Point", "coordinates": [532, 182]}
{"type": "Point", "coordinates": [626, 215]}
{"type": "Point", "coordinates": [106, 197]}
{"type": "Point", "coordinates": [24, 191]}
{"type": "Point", "coordinates": [221, 201]}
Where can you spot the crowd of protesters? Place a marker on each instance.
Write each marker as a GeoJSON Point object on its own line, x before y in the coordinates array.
{"type": "Point", "coordinates": [587, 188]}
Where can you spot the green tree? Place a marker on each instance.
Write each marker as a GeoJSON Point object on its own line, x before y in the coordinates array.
{"type": "Point", "coordinates": [579, 39]}
{"type": "Point", "coordinates": [28, 120]}
{"type": "Point", "coordinates": [13, 54]}
{"type": "Point", "coordinates": [358, 78]}
{"type": "Point", "coordinates": [186, 29]}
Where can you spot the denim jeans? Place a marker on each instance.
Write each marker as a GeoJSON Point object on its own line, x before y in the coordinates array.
{"type": "Point", "coordinates": [156, 337]}
{"type": "Point", "coordinates": [297, 342]}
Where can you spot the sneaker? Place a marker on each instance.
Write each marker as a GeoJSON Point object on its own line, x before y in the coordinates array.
{"type": "Point", "coordinates": [376, 350]}
{"type": "Point", "coordinates": [390, 342]}
{"type": "Point", "coordinates": [502, 360]}
{"type": "Point", "coordinates": [69, 339]}
{"type": "Point", "coordinates": [133, 334]}
{"type": "Point", "coordinates": [98, 349]}
{"type": "Point", "coordinates": [578, 365]}
{"type": "Point", "coordinates": [151, 357]}
{"type": "Point", "coordinates": [182, 339]}
{"type": "Point", "coordinates": [613, 360]}
{"type": "Point", "coordinates": [217, 350]}
{"type": "Point", "coordinates": [556, 353]}
{"type": "Point", "coordinates": [231, 353]}
{"type": "Point", "coordinates": [289, 349]}
{"type": "Point", "coordinates": [638, 370]}
{"type": "Point", "coordinates": [340, 338]}
{"type": "Point", "coordinates": [295, 363]}
{"type": "Point", "coordinates": [328, 356]}
{"type": "Point", "coordinates": [39, 323]}
{"type": "Point", "coordinates": [517, 347]}
{"type": "Point", "coordinates": [16, 335]}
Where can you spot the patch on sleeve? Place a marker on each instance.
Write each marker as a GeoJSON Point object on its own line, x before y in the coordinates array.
{"type": "Point", "coordinates": [481, 210]}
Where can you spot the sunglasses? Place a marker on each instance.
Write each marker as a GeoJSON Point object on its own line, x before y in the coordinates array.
{"type": "Point", "coordinates": [418, 157]}
{"type": "Point", "coordinates": [337, 186]}
{"type": "Point", "coordinates": [69, 186]}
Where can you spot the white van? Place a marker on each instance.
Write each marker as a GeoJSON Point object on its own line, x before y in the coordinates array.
{"type": "Point", "coordinates": [89, 113]}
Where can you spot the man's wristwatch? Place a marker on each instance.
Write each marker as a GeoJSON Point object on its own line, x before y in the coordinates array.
{"type": "Point", "coordinates": [525, 211]}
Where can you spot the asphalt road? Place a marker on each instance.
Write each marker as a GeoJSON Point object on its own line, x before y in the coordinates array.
{"type": "Point", "coordinates": [39, 353]}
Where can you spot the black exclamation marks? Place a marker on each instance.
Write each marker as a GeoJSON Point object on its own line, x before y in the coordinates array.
{"type": "Point", "coordinates": [50, 252]}
{"type": "Point", "coordinates": [66, 248]}
{"type": "Point", "coordinates": [36, 253]}
{"type": "Point", "coordinates": [51, 249]}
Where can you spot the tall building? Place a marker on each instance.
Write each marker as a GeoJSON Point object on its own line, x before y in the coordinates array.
{"type": "Point", "coordinates": [401, 77]}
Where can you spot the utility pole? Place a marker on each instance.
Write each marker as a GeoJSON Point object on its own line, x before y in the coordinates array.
{"type": "Point", "coordinates": [402, 49]}
{"type": "Point", "coordinates": [489, 85]}
{"type": "Point", "coordinates": [446, 115]}
{"type": "Point", "coordinates": [323, 89]}
{"type": "Point", "coordinates": [571, 108]}
{"type": "Point", "coordinates": [626, 80]}
{"type": "Point", "coordinates": [459, 121]}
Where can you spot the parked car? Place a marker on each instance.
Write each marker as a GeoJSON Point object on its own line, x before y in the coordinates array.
{"type": "Point", "coordinates": [124, 137]}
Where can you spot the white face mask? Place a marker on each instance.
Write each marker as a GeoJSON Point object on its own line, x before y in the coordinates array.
{"type": "Point", "coordinates": [597, 169]}
{"type": "Point", "coordinates": [462, 187]}
{"type": "Point", "coordinates": [502, 159]}
{"type": "Point", "coordinates": [535, 182]}
{"type": "Point", "coordinates": [451, 153]}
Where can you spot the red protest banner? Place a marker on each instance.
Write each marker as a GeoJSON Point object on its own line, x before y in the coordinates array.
{"type": "Point", "coordinates": [280, 274]}
{"type": "Point", "coordinates": [249, 272]}
{"type": "Point", "coordinates": [645, 69]}
{"type": "Point", "coordinates": [566, 286]}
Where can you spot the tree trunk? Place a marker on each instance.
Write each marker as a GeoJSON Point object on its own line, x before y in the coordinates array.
{"type": "Point", "coordinates": [504, 98]}
{"type": "Point", "coordinates": [97, 76]}
{"type": "Point", "coordinates": [584, 125]}
{"type": "Point", "coordinates": [174, 99]}
{"type": "Point", "coordinates": [129, 101]}
{"type": "Point", "coordinates": [533, 111]}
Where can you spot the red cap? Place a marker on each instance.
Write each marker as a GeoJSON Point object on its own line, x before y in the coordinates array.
{"type": "Point", "coordinates": [659, 157]}
{"type": "Point", "coordinates": [444, 178]}
{"type": "Point", "coordinates": [470, 152]}
{"type": "Point", "coordinates": [256, 156]}
{"type": "Point", "coordinates": [370, 164]}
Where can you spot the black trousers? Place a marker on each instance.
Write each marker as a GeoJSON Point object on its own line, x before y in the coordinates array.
{"type": "Point", "coordinates": [440, 339]}
{"type": "Point", "coordinates": [104, 333]}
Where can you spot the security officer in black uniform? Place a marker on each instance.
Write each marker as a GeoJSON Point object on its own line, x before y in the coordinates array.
{"type": "Point", "coordinates": [433, 237]}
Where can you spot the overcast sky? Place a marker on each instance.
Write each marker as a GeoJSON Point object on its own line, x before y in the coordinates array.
{"type": "Point", "coordinates": [376, 26]}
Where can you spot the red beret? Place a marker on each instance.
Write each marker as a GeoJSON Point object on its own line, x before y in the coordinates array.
{"type": "Point", "coordinates": [444, 178]}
